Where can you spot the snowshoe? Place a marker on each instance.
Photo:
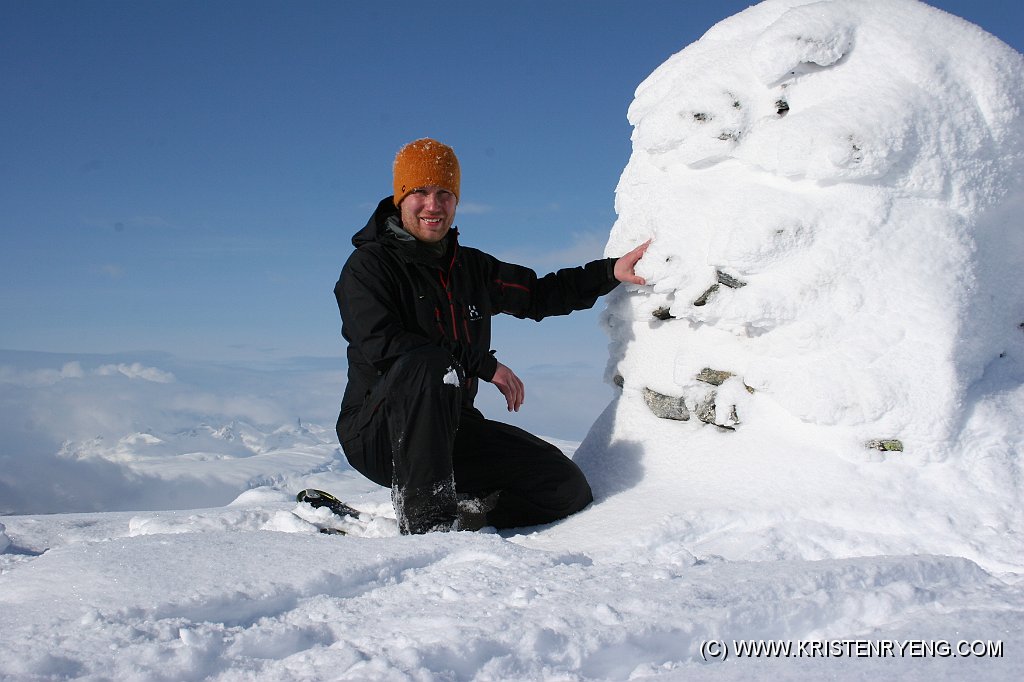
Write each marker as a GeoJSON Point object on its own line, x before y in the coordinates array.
{"type": "Point", "coordinates": [319, 498]}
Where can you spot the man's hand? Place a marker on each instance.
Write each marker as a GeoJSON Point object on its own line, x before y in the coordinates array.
{"type": "Point", "coordinates": [510, 386]}
{"type": "Point", "coordinates": [625, 267]}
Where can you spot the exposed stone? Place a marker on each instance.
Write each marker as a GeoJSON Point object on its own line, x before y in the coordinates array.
{"type": "Point", "coordinates": [715, 377]}
{"type": "Point", "coordinates": [728, 280]}
{"type": "Point", "coordinates": [733, 416]}
{"type": "Point", "coordinates": [886, 445]}
{"type": "Point", "coordinates": [723, 278]}
{"type": "Point", "coordinates": [705, 410]}
{"type": "Point", "coordinates": [781, 107]}
{"type": "Point", "coordinates": [672, 407]}
{"type": "Point", "coordinates": [663, 313]}
{"type": "Point", "coordinates": [666, 406]}
{"type": "Point", "coordinates": [703, 298]}
{"type": "Point", "coordinates": [618, 380]}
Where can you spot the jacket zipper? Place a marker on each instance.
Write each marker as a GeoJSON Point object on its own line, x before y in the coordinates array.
{"type": "Point", "coordinates": [451, 305]}
{"type": "Point", "coordinates": [445, 282]}
{"type": "Point", "coordinates": [437, 316]}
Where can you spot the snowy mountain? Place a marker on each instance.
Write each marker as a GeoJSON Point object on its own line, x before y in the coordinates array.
{"type": "Point", "coordinates": [832, 190]}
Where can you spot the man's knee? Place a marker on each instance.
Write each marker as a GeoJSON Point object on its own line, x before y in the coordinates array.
{"type": "Point", "coordinates": [563, 488]}
{"type": "Point", "coordinates": [558, 489]}
{"type": "Point", "coordinates": [575, 490]}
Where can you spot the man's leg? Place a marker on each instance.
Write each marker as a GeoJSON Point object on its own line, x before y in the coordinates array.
{"type": "Point", "coordinates": [535, 482]}
{"type": "Point", "coordinates": [404, 435]}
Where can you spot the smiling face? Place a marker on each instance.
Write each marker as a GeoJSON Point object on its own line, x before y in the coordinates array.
{"type": "Point", "coordinates": [428, 213]}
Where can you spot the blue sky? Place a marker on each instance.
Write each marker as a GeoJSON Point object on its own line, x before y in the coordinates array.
{"type": "Point", "coordinates": [185, 176]}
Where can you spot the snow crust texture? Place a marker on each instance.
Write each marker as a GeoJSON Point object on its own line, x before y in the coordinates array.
{"type": "Point", "coordinates": [229, 594]}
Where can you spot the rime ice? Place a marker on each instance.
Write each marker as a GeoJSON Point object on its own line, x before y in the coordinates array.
{"type": "Point", "coordinates": [834, 192]}
{"type": "Point", "coordinates": [855, 175]}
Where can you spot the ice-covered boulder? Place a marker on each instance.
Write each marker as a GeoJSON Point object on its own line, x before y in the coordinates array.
{"type": "Point", "coordinates": [834, 194]}
{"type": "Point", "coordinates": [831, 330]}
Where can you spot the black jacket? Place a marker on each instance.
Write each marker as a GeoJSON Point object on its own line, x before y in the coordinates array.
{"type": "Point", "coordinates": [395, 296]}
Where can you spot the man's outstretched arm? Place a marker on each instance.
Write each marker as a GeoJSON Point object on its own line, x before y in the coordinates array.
{"type": "Point", "coordinates": [505, 379]}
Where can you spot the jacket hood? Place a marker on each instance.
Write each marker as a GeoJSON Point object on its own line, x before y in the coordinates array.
{"type": "Point", "coordinates": [376, 226]}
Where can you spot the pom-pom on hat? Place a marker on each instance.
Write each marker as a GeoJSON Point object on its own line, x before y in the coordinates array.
{"type": "Point", "coordinates": [425, 162]}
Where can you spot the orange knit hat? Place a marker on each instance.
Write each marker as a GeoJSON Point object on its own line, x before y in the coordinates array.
{"type": "Point", "coordinates": [425, 162]}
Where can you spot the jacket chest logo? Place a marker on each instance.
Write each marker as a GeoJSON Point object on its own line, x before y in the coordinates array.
{"type": "Point", "coordinates": [473, 313]}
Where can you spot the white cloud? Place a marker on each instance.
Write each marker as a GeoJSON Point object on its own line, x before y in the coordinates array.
{"type": "Point", "coordinates": [111, 270]}
{"type": "Point", "coordinates": [40, 377]}
{"type": "Point", "coordinates": [30, 378]}
{"type": "Point", "coordinates": [136, 371]}
{"type": "Point", "coordinates": [469, 207]}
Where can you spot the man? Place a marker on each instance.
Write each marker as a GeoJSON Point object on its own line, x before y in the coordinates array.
{"type": "Point", "coordinates": [415, 308]}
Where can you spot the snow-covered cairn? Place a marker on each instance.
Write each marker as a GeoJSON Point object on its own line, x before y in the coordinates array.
{"type": "Point", "coordinates": [834, 192]}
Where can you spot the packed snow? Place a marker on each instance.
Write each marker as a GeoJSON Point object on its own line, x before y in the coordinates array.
{"type": "Point", "coordinates": [833, 192]}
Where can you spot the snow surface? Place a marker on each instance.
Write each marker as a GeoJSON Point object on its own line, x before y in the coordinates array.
{"type": "Point", "coordinates": [876, 226]}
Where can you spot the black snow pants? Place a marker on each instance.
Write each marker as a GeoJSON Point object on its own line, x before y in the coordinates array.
{"type": "Point", "coordinates": [415, 435]}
